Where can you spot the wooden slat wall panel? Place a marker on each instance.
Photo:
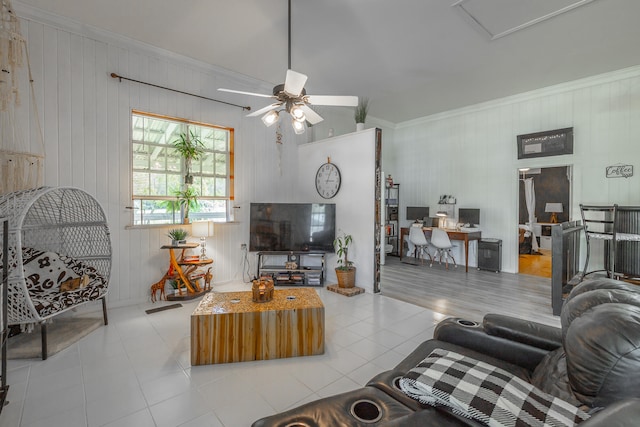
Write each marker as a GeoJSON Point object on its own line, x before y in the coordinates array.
{"type": "Point", "coordinates": [472, 153]}
{"type": "Point", "coordinates": [50, 110]}
{"type": "Point", "coordinates": [86, 120]}
{"type": "Point", "coordinates": [86, 125]}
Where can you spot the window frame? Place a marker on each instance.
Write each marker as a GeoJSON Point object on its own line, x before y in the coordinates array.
{"type": "Point", "coordinates": [230, 175]}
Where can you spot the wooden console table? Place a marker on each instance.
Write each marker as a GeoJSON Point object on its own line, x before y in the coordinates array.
{"type": "Point", "coordinates": [464, 236]}
{"type": "Point", "coordinates": [176, 271]}
{"type": "Point", "coordinates": [229, 327]}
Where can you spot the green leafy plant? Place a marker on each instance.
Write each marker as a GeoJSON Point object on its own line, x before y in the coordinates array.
{"type": "Point", "coordinates": [341, 244]}
{"type": "Point", "coordinates": [362, 110]}
{"type": "Point", "coordinates": [187, 199]}
{"type": "Point", "coordinates": [177, 234]}
{"type": "Point", "coordinates": [190, 148]}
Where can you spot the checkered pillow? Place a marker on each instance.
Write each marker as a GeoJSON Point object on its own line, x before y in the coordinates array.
{"type": "Point", "coordinates": [485, 393]}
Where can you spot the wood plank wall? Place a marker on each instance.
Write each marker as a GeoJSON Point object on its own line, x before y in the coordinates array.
{"type": "Point", "coordinates": [85, 116]}
{"type": "Point", "coordinates": [471, 153]}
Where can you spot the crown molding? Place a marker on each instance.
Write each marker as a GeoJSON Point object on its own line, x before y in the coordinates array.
{"type": "Point", "coordinates": [598, 79]}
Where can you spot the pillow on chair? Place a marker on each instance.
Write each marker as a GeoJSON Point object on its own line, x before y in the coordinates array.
{"type": "Point", "coordinates": [483, 392]}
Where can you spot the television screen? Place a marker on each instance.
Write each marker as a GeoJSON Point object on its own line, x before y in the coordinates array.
{"type": "Point", "coordinates": [415, 212]}
{"type": "Point", "coordinates": [292, 227]}
{"type": "Point", "coordinates": [469, 216]}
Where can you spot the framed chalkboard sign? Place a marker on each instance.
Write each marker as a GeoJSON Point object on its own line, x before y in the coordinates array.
{"type": "Point", "coordinates": [548, 143]}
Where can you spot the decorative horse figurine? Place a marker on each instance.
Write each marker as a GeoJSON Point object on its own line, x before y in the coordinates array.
{"type": "Point", "coordinates": [207, 279]}
{"type": "Point", "coordinates": [158, 287]}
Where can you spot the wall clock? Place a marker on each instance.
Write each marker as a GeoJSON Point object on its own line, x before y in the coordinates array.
{"type": "Point", "coordinates": [328, 180]}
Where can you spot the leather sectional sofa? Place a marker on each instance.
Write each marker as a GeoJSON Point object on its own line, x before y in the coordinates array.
{"type": "Point", "coordinates": [591, 363]}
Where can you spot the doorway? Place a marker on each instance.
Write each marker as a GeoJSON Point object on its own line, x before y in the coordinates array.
{"type": "Point", "coordinates": [544, 198]}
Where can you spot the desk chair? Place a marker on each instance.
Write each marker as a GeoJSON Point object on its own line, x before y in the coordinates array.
{"type": "Point", "coordinates": [418, 239]}
{"type": "Point", "coordinates": [440, 240]}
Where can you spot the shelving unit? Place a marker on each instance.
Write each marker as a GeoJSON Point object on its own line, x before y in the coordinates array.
{"type": "Point", "coordinates": [391, 224]}
{"type": "Point", "coordinates": [309, 269]}
{"type": "Point", "coordinates": [4, 323]}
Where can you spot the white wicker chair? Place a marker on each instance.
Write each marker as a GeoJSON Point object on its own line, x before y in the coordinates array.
{"type": "Point", "coordinates": [54, 226]}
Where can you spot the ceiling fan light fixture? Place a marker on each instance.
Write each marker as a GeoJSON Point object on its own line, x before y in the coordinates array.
{"type": "Point", "coordinates": [298, 127]}
{"type": "Point", "coordinates": [270, 118]}
{"type": "Point", "coordinates": [297, 113]}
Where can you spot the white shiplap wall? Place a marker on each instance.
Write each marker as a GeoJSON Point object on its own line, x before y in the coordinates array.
{"type": "Point", "coordinates": [85, 116]}
{"type": "Point", "coordinates": [472, 153]}
{"type": "Point", "coordinates": [354, 154]}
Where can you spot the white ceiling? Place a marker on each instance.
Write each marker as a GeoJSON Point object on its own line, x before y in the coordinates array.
{"type": "Point", "coordinates": [412, 58]}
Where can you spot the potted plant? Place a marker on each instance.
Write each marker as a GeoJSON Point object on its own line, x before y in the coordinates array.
{"type": "Point", "coordinates": [187, 199]}
{"type": "Point", "coordinates": [345, 271]}
{"type": "Point", "coordinates": [177, 235]}
{"type": "Point", "coordinates": [190, 148]}
{"type": "Point", "coordinates": [361, 112]}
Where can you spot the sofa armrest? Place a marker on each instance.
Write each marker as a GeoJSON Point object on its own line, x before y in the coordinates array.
{"type": "Point", "coordinates": [624, 413]}
{"type": "Point", "coordinates": [530, 333]}
{"type": "Point", "coordinates": [472, 335]}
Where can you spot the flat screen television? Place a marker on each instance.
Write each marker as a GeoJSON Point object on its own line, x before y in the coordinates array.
{"type": "Point", "coordinates": [469, 216]}
{"type": "Point", "coordinates": [292, 227]}
{"type": "Point", "coordinates": [417, 212]}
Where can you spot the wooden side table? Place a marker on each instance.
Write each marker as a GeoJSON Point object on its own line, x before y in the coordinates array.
{"type": "Point", "coordinates": [176, 271]}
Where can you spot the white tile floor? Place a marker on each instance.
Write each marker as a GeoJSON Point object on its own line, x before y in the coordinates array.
{"type": "Point", "coordinates": [136, 371]}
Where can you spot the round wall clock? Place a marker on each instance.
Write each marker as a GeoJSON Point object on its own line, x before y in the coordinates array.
{"type": "Point", "coordinates": [328, 180]}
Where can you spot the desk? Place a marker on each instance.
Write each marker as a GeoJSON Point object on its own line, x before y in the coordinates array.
{"type": "Point", "coordinates": [463, 236]}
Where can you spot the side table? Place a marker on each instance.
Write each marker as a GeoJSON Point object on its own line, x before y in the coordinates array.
{"type": "Point", "coordinates": [176, 271]}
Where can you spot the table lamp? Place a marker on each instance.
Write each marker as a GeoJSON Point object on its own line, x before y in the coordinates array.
{"type": "Point", "coordinates": [442, 215]}
{"type": "Point", "coordinates": [202, 229]}
{"type": "Point", "coordinates": [554, 208]}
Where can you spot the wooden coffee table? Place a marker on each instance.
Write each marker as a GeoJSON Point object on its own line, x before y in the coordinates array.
{"type": "Point", "coordinates": [230, 327]}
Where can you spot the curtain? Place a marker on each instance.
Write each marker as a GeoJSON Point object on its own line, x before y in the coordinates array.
{"type": "Point", "coordinates": [530, 199]}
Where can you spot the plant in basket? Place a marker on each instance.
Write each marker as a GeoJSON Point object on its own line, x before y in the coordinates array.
{"type": "Point", "coordinates": [345, 271]}
{"type": "Point", "coordinates": [177, 235]}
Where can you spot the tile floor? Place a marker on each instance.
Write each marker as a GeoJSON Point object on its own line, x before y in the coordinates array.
{"type": "Point", "coordinates": [136, 371]}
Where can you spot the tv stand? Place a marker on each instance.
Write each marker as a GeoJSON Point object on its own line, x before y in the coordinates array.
{"type": "Point", "coordinates": [309, 269]}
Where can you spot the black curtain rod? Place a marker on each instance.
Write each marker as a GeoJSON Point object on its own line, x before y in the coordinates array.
{"type": "Point", "coordinates": [116, 76]}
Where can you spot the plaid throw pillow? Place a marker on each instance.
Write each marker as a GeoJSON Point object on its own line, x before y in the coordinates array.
{"type": "Point", "coordinates": [485, 393]}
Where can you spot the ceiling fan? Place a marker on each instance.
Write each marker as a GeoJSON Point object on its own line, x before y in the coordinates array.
{"type": "Point", "coordinates": [291, 97]}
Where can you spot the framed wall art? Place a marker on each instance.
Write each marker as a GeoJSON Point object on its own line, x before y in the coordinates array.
{"type": "Point", "coordinates": [543, 144]}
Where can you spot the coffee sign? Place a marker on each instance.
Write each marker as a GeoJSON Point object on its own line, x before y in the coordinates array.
{"type": "Point", "coordinates": [619, 171]}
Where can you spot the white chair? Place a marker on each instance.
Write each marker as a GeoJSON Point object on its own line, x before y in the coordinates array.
{"type": "Point", "coordinates": [440, 240]}
{"type": "Point", "coordinates": [419, 241]}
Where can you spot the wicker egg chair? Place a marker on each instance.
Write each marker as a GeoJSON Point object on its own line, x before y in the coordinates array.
{"type": "Point", "coordinates": [57, 235]}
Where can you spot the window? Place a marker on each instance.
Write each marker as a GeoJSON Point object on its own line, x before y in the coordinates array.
{"type": "Point", "coordinates": [158, 170]}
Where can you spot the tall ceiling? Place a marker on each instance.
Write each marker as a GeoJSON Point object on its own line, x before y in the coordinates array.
{"type": "Point", "coordinates": [412, 58]}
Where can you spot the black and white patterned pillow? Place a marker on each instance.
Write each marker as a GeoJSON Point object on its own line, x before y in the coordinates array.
{"type": "Point", "coordinates": [485, 393]}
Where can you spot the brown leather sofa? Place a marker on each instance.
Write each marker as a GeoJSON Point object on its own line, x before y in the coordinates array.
{"type": "Point", "coordinates": [592, 362]}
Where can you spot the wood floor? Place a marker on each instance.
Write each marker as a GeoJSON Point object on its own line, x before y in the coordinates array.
{"type": "Point", "coordinates": [469, 295]}
{"type": "Point", "coordinates": [536, 265]}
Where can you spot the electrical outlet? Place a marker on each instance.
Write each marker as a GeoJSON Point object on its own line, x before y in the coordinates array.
{"type": "Point", "coordinates": [243, 246]}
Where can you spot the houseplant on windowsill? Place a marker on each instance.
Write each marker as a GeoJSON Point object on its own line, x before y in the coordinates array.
{"type": "Point", "coordinates": [345, 272]}
{"type": "Point", "coordinates": [361, 113]}
{"type": "Point", "coordinates": [178, 236]}
{"type": "Point", "coordinates": [190, 148]}
{"type": "Point", "coordinates": [187, 200]}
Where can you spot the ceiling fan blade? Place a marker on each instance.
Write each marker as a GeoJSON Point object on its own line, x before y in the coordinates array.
{"type": "Point", "coordinates": [311, 116]}
{"type": "Point", "coordinates": [265, 109]}
{"type": "Point", "coordinates": [294, 83]}
{"type": "Point", "coordinates": [245, 93]}
{"type": "Point", "coordinates": [344, 101]}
